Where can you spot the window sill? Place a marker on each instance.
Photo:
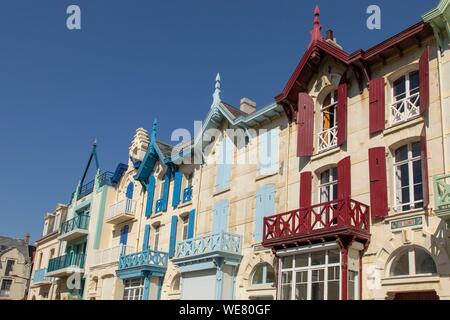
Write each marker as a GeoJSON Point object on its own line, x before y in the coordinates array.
{"type": "Point", "coordinates": [184, 205]}
{"type": "Point", "coordinates": [403, 125]}
{"type": "Point", "coordinates": [263, 287]}
{"type": "Point", "coordinates": [265, 176]}
{"type": "Point", "coordinates": [156, 215]}
{"type": "Point", "coordinates": [410, 279]}
{"type": "Point", "coordinates": [326, 153]}
{"type": "Point", "coordinates": [406, 214]}
{"type": "Point", "coordinates": [221, 191]}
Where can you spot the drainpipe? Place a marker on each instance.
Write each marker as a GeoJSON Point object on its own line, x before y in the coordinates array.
{"type": "Point", "coordinates": [287, 167]}
{"type": "Point", "coordinates": [441, 94]}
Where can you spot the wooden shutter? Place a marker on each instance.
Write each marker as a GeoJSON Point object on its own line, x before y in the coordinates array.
{"type": "Point", "coordinates": [378, 182]}
{"type": "Point", "coordinates": [173, 236]}
{"type": "Point", "coordinates": [424, 156]}
{"type": "Point", "coordinates": [166, 189]}
{"type": "Point", "coordinates": [150, 196]}
{"type": "Point", "coordinates": [342, 113]}
{"type": "Point", "coordinates": [265, 206]}
{"type": "Point", "coordinates": [305, 189]}
{"type": "Point", "coordinates": [146, 238]}
{"type": "Point", "coordinates": [130, 191]}
{"type": "Point", "coordinates": [344, 179]}
{"type": "Point", "coordinates": [424, 75]}
{"type": "Point", "coordinates": [220, 219]}
{"type": "Point", "coordinates": [191, 224]}
{"type": "Point", "coordinates": [124, 235]}
{"type": "Point", "coordinates": [178, 177]}
{"type": "Point", "coordinates": [305, 122]}
{"type": "Point", "coordinates": [377, 105]}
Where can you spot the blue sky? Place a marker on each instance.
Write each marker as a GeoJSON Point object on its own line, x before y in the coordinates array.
{"type": "Point", "coordinates": [135, 60]}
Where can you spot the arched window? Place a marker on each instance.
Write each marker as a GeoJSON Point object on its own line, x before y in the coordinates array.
{"type": "Point", "coordinates": [263, 274]}
{"type": "Point", "coordinates": [130, 190]}
{"type": "Point", "coordinates": [409, 193]}
{"type": "Point", "coordinates": [328, 185]}
{"type": "Point", "coordinates": [176, 283]}
{"type": "Point", "coordinates": [328, 136]}
{"type": "Point", "coordinates": [405, 98]}
{"type": "Point", "coordinates": [411, 262]}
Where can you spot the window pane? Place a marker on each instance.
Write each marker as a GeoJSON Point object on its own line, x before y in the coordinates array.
{"type": "Point", "coordinates": [334, 256]}
{"type": "Point", "coordinates": [301, 287]}
{"type": "Point", "coordinates": [318, 258]}
{"type": "Point", "coordinates": [401, 154]}
{"type": "Point", "coordinates": [399, 89]}
{"type": "Point", "coordinates": [352, 285]}
{"type": "Point", "coordinates": [333, 283]}
{"type": "Point", "coordinates": [270, 276]}
{"type": "Point", "coordinates": [400, 266]}
{"type": "Point", "coordinates": [318, 285]}
{"type": "Point", "coordinates": [414, 82]}
{"type": "Point", "coordinates": [258, 275]}
{"type": "Point", "coordinates": [424, 262]}
{"type": "Point", "coordinates": [302, 261]}
{"type": "Point", "coordinates": [287, 262]}
{"type": "Point", "coordinates": [416, 150]}
{"type": "Point", "coordinates": [286, 286]}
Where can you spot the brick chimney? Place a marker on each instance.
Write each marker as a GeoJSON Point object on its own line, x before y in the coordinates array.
{"type": "Point", "coordinates": [248, 106]}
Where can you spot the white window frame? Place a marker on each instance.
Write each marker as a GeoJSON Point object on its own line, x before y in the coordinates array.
{"type": "Point", "coordinates": [156, 235]}
{"type": "Point", "coordinates": [135, 289]}
{"type": "Point", "coordinates": [411, 264]}
{"type": "Point", "coordinates": [406, 101]}
{"type": "Point", "coordinates": [310, 268]}
{"type": "Point", "coordinates": [184, 228]}
{"type": "Point", "coordinates": [409, 161]}
{"type": "Point", "coordinates": [328, 137]}
{"type": "Point", "coordinates": [332, 183]}
{"type": "Point", "coordinates": [264, 274]}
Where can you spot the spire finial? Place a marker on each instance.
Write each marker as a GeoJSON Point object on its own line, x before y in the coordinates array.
{"type": "Point", "coordinates": [154, 129]}
{"type": "Point", "coordinates": [316, 34]}
{"type": "Point", "coordinates": [217, 91]}
{"type": "Point", "coordinates": [95, 142]}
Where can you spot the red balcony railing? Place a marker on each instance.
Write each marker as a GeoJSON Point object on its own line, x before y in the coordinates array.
{"type": "Point", "coordinates": [326, 219]}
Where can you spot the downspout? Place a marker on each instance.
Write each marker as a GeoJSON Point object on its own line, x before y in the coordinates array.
{"type": "Point", "coordinates": [286, 208]}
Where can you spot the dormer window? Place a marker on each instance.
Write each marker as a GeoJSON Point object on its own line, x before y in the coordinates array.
{"type": "Point", "coordinates": [328, 137]}
{"type": "Point", "coordinates": [406, 98]}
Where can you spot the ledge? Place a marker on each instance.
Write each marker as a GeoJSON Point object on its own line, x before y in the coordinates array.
{"type": "Point", "coordinates": [219, 192]}
{"type": "Point", "coordinates": [327, 153]}
{"type": "Point", "coordinates": [403, 125]}
{"type": "Point", "coordinates": [266, 176]}
{"type": "Point", "coordinates": [409, 280]}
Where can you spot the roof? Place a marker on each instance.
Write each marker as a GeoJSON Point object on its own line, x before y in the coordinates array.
{"type": "Point", "coordinates": [7, 243]}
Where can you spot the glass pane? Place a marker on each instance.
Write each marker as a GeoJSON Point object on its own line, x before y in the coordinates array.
{"type": "Point", "coordinates": [302, 260]}
{"type": "Point", "coordinates": [327, 100]}
{"type": "Point", "coordinates": [334, 256]}
{"type": "Point", "coordinates": [417, 171]}
{"type": "Point", "coordinates": [258, 275]}
{"type": "Point", "coordinates": [333, 283]}
{"type": "Point", "coordinates": [270, 276]}
{"type": "Point", "coordinates": [416, 150]}
{"type": "Point", "coordinates": [399, 89]}
{"type": "Point", "coordinates": [424, 262]}
{"type": "Point", "coordinates": [414, 82]}
{"type": "Point", "coordinates": [318, 285]}
{"type": "Point", "coordinates": [325, 177]}
{"type": "Point", "coordinates": [352, 285]}
{"type": "Point", "coordinates": [400, 266]}
{"type": "Point", "coordinates": [286, 262]}
{"type": "Point", "coordinates": [401, 154]}
{"type": "Point", "coordinates": [318, 258]}
{"type": "Point", "coordinates": [301, 287]}
{"type": "Point", "coordinates": [286, 285]}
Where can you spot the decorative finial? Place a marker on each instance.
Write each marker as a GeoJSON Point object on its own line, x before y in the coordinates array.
{"type": "Point", "coordinates": [217, 91]}
{"type": "Point", "coordinates": [316, 34]}
{"type": "Point", "coordinates": [154, 129]}
{"type": "Point", "coordinates": [95, 142]}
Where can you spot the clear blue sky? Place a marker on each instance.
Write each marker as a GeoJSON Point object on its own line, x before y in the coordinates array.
{"type": "Point", "coordinates": [135, 60]}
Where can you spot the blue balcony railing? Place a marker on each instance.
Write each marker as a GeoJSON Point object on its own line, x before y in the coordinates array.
{"type": "Point", "coordinates": [105, 179]}
{"type": "Point", "coordinates": [187, 194]}
{"type": "Point", "coordinates": [86, 189]}
{"type": "Point", "coordinates": [146, 258]}
{"type": "Point", "coordinates": [39, 276]}
{"type": "Point", "coordinates": [70, 260]}
{"type": "Point", "coordinates": [159, 207]}
{"type": "Point", "coordinates": [79, 222]}
{"type": "Point", "coordinates": [219, 243]}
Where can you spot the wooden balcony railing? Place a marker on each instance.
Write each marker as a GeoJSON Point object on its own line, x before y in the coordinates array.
{"type": "Point", "coordinates": [326, 219]}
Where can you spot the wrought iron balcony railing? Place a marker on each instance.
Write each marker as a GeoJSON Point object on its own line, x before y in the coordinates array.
{"type": "Point", "coordinates": [111, 255]}
{"type": "Point", "coordinates": [147, 258]}
{"type": "Point", "coordinates": [442, 195]}
{"type": "Point", "coordinates": [79, 222]}
{"type": "Point", "coordinates": [187, 194]}
{"type": "Point", "coordinates": [39, 276]}
{"type": "Point", "coordinates": [327, 218]}
{"type": "Point", "coordinates": [222, 242]}
{"type": "Point", "coordinates": [70, 260]}
{"type": "Point", "coordinates": [405, 109]}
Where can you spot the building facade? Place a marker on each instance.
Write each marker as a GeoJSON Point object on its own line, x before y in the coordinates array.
{"type": "Point", "coordinates": [337, 191]}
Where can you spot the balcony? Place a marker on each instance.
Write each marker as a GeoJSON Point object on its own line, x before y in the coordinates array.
{"type": "Point", "coordinates": [328, 139]}
{"type": "Point", "coordinates": [187, 194]}
{"type": "Point", "coordinates": [405, 109]}
{"type": "Point", "coordinates": [121, 212]}
{"type": "Point", "coordinates": [74, 228]}
{"type": "Point", "coordinates": [39, 278]}
{"type": "Point", "coordinates": [442, 196]}
{"type": "Point", "coordinates": [111, 255]}
{"type": "Point", "coordinates": [66, 265]}
{"type": "Point", "coordinates": [327, 221]}
{"type": "Point", "coordinates": [86, 189]}
{"type": "Point", "coordinates": [141, 263]}
{"type": "Point", "coordinates": [208, 247]}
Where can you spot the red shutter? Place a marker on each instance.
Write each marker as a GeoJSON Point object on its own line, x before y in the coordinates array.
{"type": "Point", "coordinates": [424, 75]}
{"type": "Point", "coordinates": [305, 189]}
{"type": "Point", "coordinates": [305, 121]}
{"type": "Point", "coordinates": [424, 156]}
{"type": "Point", "coordinates": [377, 105]}
{"type": "Point", "coordinates": [342, 113]}
{"type": "Point", "coordinates": [378, 182]}
{"type": "Point", "coordinates": [344, 179]}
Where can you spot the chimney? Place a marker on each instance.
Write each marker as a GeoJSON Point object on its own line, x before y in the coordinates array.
{"type": "Point", "coordinates": [330, 35]}
{"type": "Point", "coordinates": [26, 238]}
{"type": "Point", "coordinates": [248, 106]}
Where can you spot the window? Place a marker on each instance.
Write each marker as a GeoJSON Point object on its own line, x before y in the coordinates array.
{"type": "Point", "coordinates": [413, 261]}
{"type": "Point", "coordinates": [9, 267]}
{"type": "Point", "coordinates": [176, 283]}
{"type": "Point", "coordinates": [263, 275]}
{"type": "Point", "coordinates": [406, 98]}
{"type": "Point", "coordinates": [130, 191]}
{"type": "Point", "coordinates": [408, 178]}
{"type": "Point", "coordinates": [185, 228]}
{"type": "Point", "coordinates": [328, 136]}
{"type": "Point", "coordinates": [311, 276]}
{"type": "Point", "coordinates": [328, 185]}
{"type": "Point", "coordinates": [156, 238]}
{"type": "Point", "coordinates": [353, 287]}
{"type": "Point", "coordinates": [5, 288]}
{"type": "Point", "coordinates": [134, 289]}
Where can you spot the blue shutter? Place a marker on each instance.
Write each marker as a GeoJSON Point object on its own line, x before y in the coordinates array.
{"type": "Point", "coordinates": [228, 150]}
{"type": "Point", "coordinates": [263, 154]}
{"type": "Point", "coordinates": [191, 224]}
{"type": "Point", "coordinates": [173, 236]}
{"type": "Point", "coordinates": [220, 162]}
{"type": "Point", "coordinates": [166, 188]}
{"type": "Point", "coordinates": [146, 238]}
{"type": "Point", "coordinates": [130, 191]}
{"type": "Point", "coordinates": [124, 235]}
{"type": "Point", "coordinates": [177, 189]}
{"type": "Point", "coordinates": [273, 152]}
{"type": "Point", "coordinates": [220, 219]}
{"type": "Point", "coordinates": [150, 195]}
{"type": "Point", "coordinates": [265, 207]}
